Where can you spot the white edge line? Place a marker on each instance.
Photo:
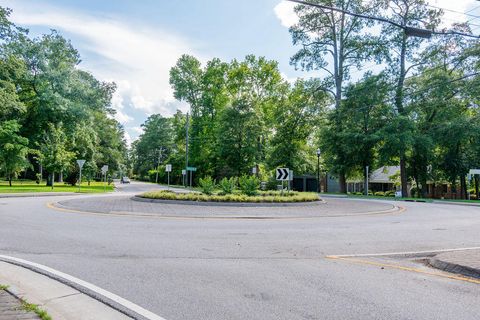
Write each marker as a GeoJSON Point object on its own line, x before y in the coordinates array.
{"type": "Point", "coordinates": [123, 302]}
{"type": "Point", "coordinates": [401, 253]}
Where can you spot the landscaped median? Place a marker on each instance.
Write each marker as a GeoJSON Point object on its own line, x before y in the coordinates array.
{"type": "Point", "coordinates": [260, 197]}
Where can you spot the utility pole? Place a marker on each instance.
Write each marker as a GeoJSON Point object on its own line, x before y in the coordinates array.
{"type": "Point", "coordinates": [158, 163]}
{"type": "Point", "coordinates": [186, 147]}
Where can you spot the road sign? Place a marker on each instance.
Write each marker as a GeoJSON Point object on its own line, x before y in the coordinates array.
{"type": "Point", "coordinates": [104, 169]}
{"type": "Point", "coordinates": [184, 172]}
{"type": "Point", "coordinates": [474, 171]}
{"type": "Point", "coordinates": [282, 174]}
{"type": "Point", "coordinates": [81, 163]}
{"type": "Point", "coordinates": [168, 168]}
{"type": "Point", "coordinates": [191, 169]}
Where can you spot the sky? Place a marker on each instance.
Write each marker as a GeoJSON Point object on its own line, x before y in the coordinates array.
{"type": "Point", "coordinates": [135, 43]}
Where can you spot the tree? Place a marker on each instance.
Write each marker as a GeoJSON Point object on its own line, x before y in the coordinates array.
{"type": "Point", "coordinates": [13, 149]}
{"type": "Point", "coordinates": [295, 119]}
{"type": "Point", "coordinates": [333, 42]}
{"type": "Point", "coordinates": [54, 155]}
{"type": "Point", "coordinates": [402, 50]}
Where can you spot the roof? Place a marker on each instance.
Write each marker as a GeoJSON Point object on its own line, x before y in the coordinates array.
{"type": "Point", "coordinates": [380, 175]}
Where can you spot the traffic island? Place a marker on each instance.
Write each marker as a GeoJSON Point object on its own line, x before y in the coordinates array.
{"type": "Point", "coordinates": [464, 262]}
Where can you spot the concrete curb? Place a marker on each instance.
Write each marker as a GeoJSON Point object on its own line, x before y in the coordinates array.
{"type": "Point", "coordinates": [229, 204]}
{"type": "Point", "coordinates": [109, 299]}
{"type": "Point", "coordinates": [454, 268]}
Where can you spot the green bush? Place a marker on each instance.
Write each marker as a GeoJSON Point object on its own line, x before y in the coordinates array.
{"type": "Point", "coordinates": [228, 185]}
{"type": "Point", "coordinates": [260, 198]}
{"type": "Point", "coordinates": [379, 194]}
{"type": "Point", "coordinates": [390, 193]}
{"type": "Point", "coordinates": [249, 185]}
{"type": "Point", "coordinates": [207, 185]}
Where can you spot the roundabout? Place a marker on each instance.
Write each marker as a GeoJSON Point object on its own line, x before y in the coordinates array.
{"type": "Point", "coordinates": [136, 206]}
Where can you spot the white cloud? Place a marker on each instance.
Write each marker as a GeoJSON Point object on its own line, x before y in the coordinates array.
{"type": "Point", "coordinates": [284, 11]}
{"type": "Point", "coordinates": [138, 58]}
{"type": "Point", "coordinates": [138, 130]}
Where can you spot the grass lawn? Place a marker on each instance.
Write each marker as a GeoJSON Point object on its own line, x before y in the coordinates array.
{"type": "Point", "coordinates": [26, 186]}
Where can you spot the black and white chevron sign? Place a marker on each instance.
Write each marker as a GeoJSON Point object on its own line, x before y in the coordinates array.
{"type": "Point", "coordinates": [282, 174]}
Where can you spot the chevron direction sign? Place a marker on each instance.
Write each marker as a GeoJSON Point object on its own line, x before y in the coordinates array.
{"type": "Point", "coordinates": [282, 174]}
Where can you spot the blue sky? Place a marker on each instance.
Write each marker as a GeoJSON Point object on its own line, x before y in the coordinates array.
{"type": "Point", "coordinates": [135, 43]}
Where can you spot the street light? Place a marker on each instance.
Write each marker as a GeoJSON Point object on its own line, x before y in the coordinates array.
{"type": "Point", "coordinates": [318, 170]}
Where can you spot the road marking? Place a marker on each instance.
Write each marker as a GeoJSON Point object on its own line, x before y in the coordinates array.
{"type": "Point", "coordinates": [399, 267]}
{"type": "Point", "coordinates": [405, 253]}
{"type": "Point", "coordinates": [54, 206]}
{"type": "Point", "coordinates": [87, 288]}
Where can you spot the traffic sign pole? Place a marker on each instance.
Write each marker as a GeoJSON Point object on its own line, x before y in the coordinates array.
{"type": "Point", "coordinates": [80, 165]}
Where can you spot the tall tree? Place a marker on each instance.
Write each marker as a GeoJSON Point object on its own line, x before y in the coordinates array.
{"type": "Point", "coordinates": [402, 51]}
{"type": "Point", "coordinates": [13, 149]}
{"type": "Point", "coordinates": [333, 42]}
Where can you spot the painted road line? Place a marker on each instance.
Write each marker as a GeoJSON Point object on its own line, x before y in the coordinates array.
{"type": "Point", "coordinates": [399, 267]}
{"type": "Point", "coordinates": [405, 253]}
{"type": "Point", "coordinates": [118, 303]}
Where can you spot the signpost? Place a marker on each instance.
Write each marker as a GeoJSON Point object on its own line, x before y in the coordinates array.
{"type": "Point", "coordinates": [283, 174]}
{"type": "Point", "coordinates": [104, 172]}
{"type": "Point", "coordinates": [184, 173]}
{"type": "Point", "coordinates": [192, 170]}
{"type": "Point", "coordinates": [168, 169]}
{"type": "Point", "coordinates": [80, 165]}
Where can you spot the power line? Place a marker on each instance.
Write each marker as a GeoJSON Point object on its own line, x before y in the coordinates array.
{"type": "Point", "coordinates": [454, 11]}
{"type": "Point", "coordinates": [410, 31]}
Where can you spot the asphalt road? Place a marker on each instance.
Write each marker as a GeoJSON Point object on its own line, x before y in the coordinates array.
{"type": "Point", "coordinates": [252, 269]}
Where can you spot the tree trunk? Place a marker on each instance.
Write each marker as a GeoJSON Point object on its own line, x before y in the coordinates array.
{"type": "Point", "coordinates": [342, 182]}
{"type": "Point", "coordinates": [10, 180]}
{"type": "Point", "coordinates": [60, 177]}
{"type": "Point", "coordinates": [476, 187]}
{"type": "Point", "coordinates": [463, 187]}
{"type": "Point", "coordinates": [403, 176]}
{"type": "Point", "coordinates": [53, 179]}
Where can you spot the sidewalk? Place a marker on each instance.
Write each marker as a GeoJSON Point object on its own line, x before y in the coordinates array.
{"type": "Point", "coordinates": [12, 308]}
{"type": "Point", "coordinates": [465, 262]}
{"type": "Point", "coordinates": [60, 301]}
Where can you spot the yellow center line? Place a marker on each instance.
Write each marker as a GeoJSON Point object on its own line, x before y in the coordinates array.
{"type": "Point", "coordinates": [399, 267]}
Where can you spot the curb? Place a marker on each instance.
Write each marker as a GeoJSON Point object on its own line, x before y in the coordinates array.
{"type": "Point", "coordinates": [454, 268]}
{"type": "Point", "coordinates": [111, 300]}
{"type": "Point", "coordinates": [229, 204]}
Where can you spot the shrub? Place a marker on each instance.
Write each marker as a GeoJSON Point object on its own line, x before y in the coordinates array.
{"type": "Point", "coordinates": [249, 185]}
{"type": "Point", "coordinates": [261, 198]}
{"type": "Point", "coordinates": [390, 193]}
{"type": "Point", "coordinates": [207, 185]}
{"type": "Point", "coordinates": [380, 194]}
{"type": "Point", "coordinates": [228, 185]}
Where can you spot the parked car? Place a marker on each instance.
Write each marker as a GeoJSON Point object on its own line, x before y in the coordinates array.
{"type": "Point", "coordinates": [125, 180]}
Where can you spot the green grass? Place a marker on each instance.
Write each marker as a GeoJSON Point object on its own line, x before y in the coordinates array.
{"type": "Point", "coordinates": [27, 186]}
{"type": "Point", "coordinates": [36, 309]}
{"type": "Point", "coordinates": [262, 197]}
{"type": "Point", "coordinates": [31, 307]}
